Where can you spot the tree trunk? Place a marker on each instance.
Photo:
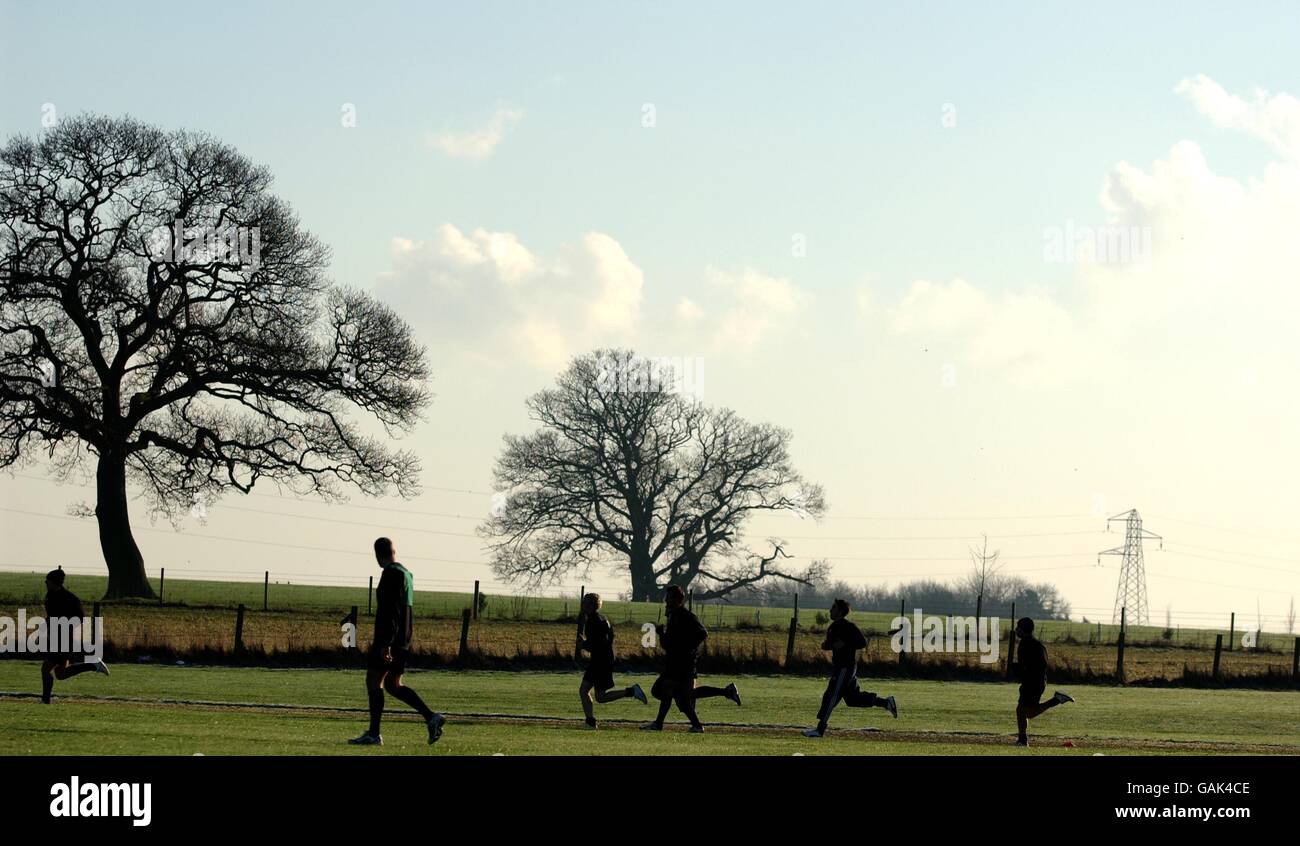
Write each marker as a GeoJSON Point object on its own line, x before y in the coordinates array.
{"type": "Point", "coordinates": [126, 577]}
{"type": "Point", "coordinates": [643, 579]}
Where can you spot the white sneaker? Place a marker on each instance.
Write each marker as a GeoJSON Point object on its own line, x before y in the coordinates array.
{"type": "Point", "coordinates": [1024, 743]}
{"type": "Point", "coordinates": [892, 707]}
{"type": "Point", "coordinates": [639, 695]}
{"type": "Point", "coordinates": [589, 726]}
{"type": "Point", "coordinates": [652, 727]}
{"type": "Point", "coordinates": [1062, 696]}
{"type": "Point", "coordinates": [695, 730]}
{"type": "Point", "coordinates": [101, 668]}
{"type": "Point", "coordinates": [435, 727]}
{"type": "Point", "coordinates": [367, 739]}
{"type": "Point", "coordinates": [812, 732]}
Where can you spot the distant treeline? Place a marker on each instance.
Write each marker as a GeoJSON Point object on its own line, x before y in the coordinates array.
{"type": "Point", "coordinates": [1042, 601]}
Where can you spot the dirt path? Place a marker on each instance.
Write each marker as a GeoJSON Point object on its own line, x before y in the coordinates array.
{"type": "Point", "coordinates": [1206, 747]}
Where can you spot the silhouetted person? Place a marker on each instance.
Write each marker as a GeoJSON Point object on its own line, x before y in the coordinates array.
{"type": "Point", "coordinates": [388, 653]}
{"type": "Point", "coordinates": [843, 640]}
{"type": "Point", "coordinates": [62, 604]}
{"type": "Point", "coordinates": [598, 640]}
{"type": "Point", "coordinates": [681, 637]}
{"type": "Point", "coordinates": [1032, 671]}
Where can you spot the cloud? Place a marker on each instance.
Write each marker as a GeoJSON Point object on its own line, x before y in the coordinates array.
{"type": "Point", "coordinates": [488, 293]}
{"type": "Point", "coordinates": [1274, 118]}
{"type": "Point", "coordinates": [1220, 286]}
{"type": "Point", "coordinates": [689, 311]}
{"type": "Point", "coordinates": [477, 144]}
{"type": "Point", "coordinates": [752, 306]}
{"type": "Point", "coordinates": [1025, 334]}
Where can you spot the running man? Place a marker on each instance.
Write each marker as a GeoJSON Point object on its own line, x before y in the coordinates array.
{"type": "Point", "coordinates": [598, 640]}
{"type": "Point", "coordinates": [843, 640]}
{"type": "Point", "coordinates": [1032, 670]}
{"type": "Point", "coordinates": [388, 653]}
{"type": "Point", "coordinates": [681, 637]}
{"type": "Point", "coordinates": [61, 603]}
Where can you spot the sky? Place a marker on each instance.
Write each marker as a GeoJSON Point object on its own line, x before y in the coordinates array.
{"type": "Point", "coordinates": [850, 215]}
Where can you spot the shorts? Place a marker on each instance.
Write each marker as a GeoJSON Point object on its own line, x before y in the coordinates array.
{"type": "Point", "coordinates": [669, 685]}
{"type": "Point", "coordinates": [396, 667]}
{"type": "Point", "coordinates": [1031, 695]}
{"type": "Point", "coordinates": [600, 678]}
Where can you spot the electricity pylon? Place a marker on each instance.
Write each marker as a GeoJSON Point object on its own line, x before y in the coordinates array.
{"type": "Point", "coordinates": [1132, 591]}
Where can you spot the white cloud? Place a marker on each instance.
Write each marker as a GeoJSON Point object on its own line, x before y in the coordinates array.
{"type": "Point", "coordinates": [1220, 287]}
{"type": "Point", "coordinates": [753, 306]}
{"type": "Point", "coordinates": [689, 311]}
{"type": "Point", "coordinates": [486, 292]}
{"type": "Point", "coordinates": [1026, 334]}
{"type": "Point", "coordinates": [477, 144]}
{"type": "Point", "coordinates": [1275, 118]}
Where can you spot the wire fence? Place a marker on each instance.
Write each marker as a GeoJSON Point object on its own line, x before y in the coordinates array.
{"type": "Point", "coordinates": [304, 592]}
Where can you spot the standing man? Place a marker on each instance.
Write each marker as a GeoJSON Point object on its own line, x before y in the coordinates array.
{"type": "Point", "coordinates": [843, 640]}
{"type": "Point", "coordinates": [681, 637]}
{"type": "Point", "coordinates": [387, 659]}
{"type": "Point", "coordinates": [1032, 669]}
{"type": "Point", "coordinates": [62, 604]}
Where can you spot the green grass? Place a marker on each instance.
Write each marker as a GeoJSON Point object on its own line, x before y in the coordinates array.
{"type": "Point", "coordinates": [935, 718]}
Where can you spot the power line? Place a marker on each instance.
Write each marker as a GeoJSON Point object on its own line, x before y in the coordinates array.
{"type": "Point", "coordinates": [247, 540]}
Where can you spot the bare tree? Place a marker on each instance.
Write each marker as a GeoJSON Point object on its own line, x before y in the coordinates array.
{"type": "Point", "coordinates": [983, 565]}
{"type": "Point", "coordinates": [162, 312]}
{"type": "Point", "coordinates": [628, 473]}
{"type": "Point", "coordinates": [1290, 617]}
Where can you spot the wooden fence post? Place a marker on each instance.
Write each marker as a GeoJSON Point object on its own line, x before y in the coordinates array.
{"type": "Point", "coordinates": [579, 627]}
{"type": "Point", "coordinates": [239, 630]}
{"type": "Point", "coordinates": [475, 599]}
{"type": "Point", "coordinates": [789, 643]}
{"type": "Point", "coordinates": [1119, 658]}
{"type": "Point", "coordinates": [1218, 650]}
{"type": "Point", "coordinates": [1295, 661]}
{"type": "Point", "coordinates": [162, 580]}
{"type": "Point", "coordinates": [1011, 644]}
{"type": "Point", "coordinates": [266, 590]}
{"type": "Point", "coordinates": [370, 591]}
{"type": "Point", "coordinates": [1232, 630]}
{"type": "Point", "coordinates": [902, 612]}
{"type": "Point", "coordinates": [796, 606]}
{"type": "Point", "coordinates": [464, 636]}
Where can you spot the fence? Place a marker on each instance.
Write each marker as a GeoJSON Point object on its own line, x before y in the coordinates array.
{"type": "Point", "coordinates": [271, 617]}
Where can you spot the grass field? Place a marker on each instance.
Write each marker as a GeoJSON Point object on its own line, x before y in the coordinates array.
{"type": "Point", "coordinates": [216, 710]}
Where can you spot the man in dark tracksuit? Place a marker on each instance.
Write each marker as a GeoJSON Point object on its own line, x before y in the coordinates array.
{"type": "Point", "coordinates": [843, 640]}
{"type": "Point", "coordinates": [597, 639]}
{"type": "Point", "coordinates": [680, 638]}
{"type": "Point", "coordinates": [1032, 671]}
{"type": "Point", "coordinates": [387, 658]}
{"type": "Point", "coordinates": [62, 604]}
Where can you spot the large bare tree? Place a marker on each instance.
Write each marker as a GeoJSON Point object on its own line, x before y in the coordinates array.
{"type": "Point", "coordinates": [164, 315]}
{"type": "Point", "coordinates": [626, 472]}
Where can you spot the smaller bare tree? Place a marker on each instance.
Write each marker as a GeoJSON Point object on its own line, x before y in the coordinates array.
{"type": "Point", "coordinates": [983, 565]}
